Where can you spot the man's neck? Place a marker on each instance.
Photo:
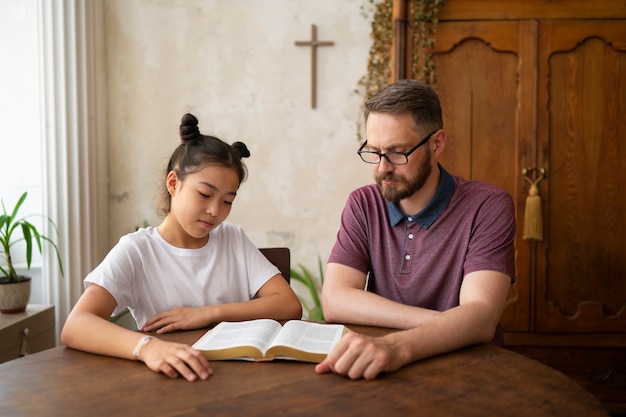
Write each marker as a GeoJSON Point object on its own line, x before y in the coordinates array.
{"type": "Point", "coordinates": [420, 199]}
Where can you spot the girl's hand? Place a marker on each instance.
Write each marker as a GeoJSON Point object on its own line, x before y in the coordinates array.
{"type": "Point", "coordinates": [180, 318]}
{"type": "Point", "coordinates": [175, 358]}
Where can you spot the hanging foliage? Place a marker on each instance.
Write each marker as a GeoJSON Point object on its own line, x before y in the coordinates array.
{"type": "Point", "coordinates": [379, 61]}
{"type": "Point", "coordinates": [423, 19]}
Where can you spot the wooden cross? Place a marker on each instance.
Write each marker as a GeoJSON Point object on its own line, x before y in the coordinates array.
{"type": "Point", "coordinates": [314, 43]}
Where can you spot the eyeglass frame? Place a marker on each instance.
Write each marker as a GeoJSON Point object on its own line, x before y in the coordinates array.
{"type": "Point", "coordinates": [360, 152]}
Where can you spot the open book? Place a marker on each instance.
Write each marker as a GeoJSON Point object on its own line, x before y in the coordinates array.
{"type": "Point", "coordinates": [265, 340]}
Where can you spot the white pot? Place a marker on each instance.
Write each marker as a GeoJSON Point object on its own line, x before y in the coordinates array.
{"type": "Point", "coordinates": [14, 296]}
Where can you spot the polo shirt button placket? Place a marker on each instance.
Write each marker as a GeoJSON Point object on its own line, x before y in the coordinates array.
{"type": "Point", "coordinates": [407, 256]}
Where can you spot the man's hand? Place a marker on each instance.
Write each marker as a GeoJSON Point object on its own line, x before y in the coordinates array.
{"type": "Point", "coordinates": [357, 356]}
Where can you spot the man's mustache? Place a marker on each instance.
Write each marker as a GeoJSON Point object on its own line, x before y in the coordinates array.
{"type": "Point", "coordinates": [388, 177]}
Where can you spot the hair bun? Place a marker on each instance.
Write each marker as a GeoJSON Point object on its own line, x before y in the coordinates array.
{"type": "Point", "coordinates": [189, 128]}
{"type": "Point", "coordinates": [241, 149]}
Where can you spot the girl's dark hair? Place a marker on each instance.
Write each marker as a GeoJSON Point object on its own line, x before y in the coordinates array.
{"type": "Point", "coordinates": [198, 151]}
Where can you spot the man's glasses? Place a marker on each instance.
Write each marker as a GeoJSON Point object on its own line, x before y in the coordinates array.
{"type": "Point", "coordinates": [395, 158]}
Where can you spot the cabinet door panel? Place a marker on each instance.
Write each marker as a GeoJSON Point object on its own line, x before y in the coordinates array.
{"type": "Point", "coordinates": [480, 71]}
{"type": "Point", "coordinates": [582, 99]}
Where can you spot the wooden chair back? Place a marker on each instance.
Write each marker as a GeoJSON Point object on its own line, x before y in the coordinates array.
{"type": "Point", "coordinates": [281, 257]}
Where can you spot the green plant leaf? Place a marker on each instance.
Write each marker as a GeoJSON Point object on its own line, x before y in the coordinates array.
{"type": "Point", "coordinates": [304, 276]}
{"type": "Point", "coordinates": [56, 250]}
{"type": "Point", "coordinates": [18, 205]}
{"type": "Point", "coordinates": [29, 243]}
{"type": "Point", "coordinates": [9, 224]}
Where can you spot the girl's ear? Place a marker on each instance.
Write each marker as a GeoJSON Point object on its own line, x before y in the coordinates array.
{"type": "Point", "coordinates": [171, 182]}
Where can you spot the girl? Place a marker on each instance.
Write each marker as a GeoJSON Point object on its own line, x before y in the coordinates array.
{"type": "Point", "coordinates": [192, 270]}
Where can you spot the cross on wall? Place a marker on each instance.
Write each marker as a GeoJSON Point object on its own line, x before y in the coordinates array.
{"type": "Point", "coordinates": [314, 43]}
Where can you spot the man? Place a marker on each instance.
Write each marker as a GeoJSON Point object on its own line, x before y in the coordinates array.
{"type": "Point", "coordinates": [421, 250]}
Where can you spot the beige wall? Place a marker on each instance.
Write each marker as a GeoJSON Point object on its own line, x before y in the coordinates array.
{"type": "Point", "coordinates": [233, 64]}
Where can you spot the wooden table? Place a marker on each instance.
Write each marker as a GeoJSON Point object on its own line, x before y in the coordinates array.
{"type": "Point", "coordinates": [482, 380]}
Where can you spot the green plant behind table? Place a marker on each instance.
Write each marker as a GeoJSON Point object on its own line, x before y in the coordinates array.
{"type": "Point", "coordinates": [304, 276]}
{"type": "Point", "coordinates": [10, 224]}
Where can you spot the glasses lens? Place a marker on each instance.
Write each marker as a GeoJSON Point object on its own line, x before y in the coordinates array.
{"type": "Point", "coordinates": [397, 158]}
{"type": "Point", "coordinates": [370, 157]}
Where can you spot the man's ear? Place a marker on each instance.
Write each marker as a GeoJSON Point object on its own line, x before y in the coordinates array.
{"type": "Point", "coordinates": [171, 182]}
{"type": "Point", "coordinates": [439, 142]}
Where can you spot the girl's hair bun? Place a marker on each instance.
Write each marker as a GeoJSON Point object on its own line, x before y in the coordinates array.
{"type": "Point", "coordinates": [189, 128]}
{"type": "Point", "coordinates": [241, 149]}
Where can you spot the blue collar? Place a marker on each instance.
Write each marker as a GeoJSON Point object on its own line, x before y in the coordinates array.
{"type": "Point", "coordinates": [435, 207]}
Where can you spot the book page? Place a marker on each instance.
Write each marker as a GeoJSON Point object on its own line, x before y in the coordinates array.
{"type": "Point", "coordinates": [309, 337]}
{"type": "Point", "coordinates": [257, 333]}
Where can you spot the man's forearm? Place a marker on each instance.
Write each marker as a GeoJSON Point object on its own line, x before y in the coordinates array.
{"type": "Point", "coordinates": [447, 331]}
{"type": "Point", "coordinates": [361, 307]}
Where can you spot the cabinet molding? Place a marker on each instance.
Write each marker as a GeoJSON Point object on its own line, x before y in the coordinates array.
{"type": "Point", "coordinates": [532, 9]}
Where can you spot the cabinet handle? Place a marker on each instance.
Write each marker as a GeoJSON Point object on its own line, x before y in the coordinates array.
{"type": "Point", "coordinates": [24, 350]}
{"type": "Point", "coordinates": [540, 173]}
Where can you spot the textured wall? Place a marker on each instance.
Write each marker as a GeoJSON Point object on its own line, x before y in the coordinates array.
{"type": "Point", "coordinates": [233, 64]}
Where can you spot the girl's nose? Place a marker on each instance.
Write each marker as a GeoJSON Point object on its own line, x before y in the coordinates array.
{"type": "Point", "coordinates": [213, 208]}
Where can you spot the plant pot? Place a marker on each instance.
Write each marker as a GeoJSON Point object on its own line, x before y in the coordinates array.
{"type": "Point", "coordinates": [14, 296]}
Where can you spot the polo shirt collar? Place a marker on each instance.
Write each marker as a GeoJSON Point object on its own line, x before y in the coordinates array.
{"type": "Point", "coordinates": [435, 207]}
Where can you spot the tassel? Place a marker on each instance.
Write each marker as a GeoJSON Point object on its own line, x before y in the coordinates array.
{"type": "Point", "coordinates": [533, 222]}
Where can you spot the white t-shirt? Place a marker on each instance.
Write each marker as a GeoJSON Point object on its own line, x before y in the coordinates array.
{"type": "Point", "coordinates": [148, 275]}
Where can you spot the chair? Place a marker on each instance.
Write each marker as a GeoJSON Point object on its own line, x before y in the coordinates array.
{"type": "Point", "coordinates": [281, 257]}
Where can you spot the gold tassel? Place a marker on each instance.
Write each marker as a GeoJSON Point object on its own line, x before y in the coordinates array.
{"type": "Point", "coordinates": [533, 221]}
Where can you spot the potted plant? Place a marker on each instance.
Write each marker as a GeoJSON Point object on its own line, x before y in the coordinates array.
{"type": "Point", "coordinates": [304, 276]}
{"type": "Point", "coordinates": [14, 288]}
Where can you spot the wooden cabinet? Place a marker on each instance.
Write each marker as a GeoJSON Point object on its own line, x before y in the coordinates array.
{"type": "Point", "coordinates": [28, 332]}
{"type": "Point", "coordinates": [538, 85]}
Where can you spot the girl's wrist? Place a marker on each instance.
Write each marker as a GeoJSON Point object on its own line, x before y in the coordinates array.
{"type": "Point", "coordinates": [142, 342]}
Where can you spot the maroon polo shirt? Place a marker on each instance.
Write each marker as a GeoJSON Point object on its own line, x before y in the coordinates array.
{"type": "Point", "coordinates": [421, 259]}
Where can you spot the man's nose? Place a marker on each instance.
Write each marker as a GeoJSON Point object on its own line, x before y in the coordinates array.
{"type": "Point", "coordinates": [385, 166]}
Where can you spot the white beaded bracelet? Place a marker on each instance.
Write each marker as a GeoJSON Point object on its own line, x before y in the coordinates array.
{"type": "Point", "coordinates": [142, 342]}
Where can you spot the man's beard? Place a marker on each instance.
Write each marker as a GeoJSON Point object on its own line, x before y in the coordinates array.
{"type": "Point", "coordinates": [404, 187]}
